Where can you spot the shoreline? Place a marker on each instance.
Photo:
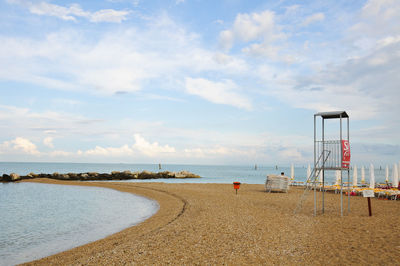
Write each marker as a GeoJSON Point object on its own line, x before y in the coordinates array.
{"type": "Point", "coordinates": [209, 224]}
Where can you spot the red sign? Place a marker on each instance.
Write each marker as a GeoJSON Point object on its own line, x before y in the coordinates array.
{"type": "Point", "coordinates": [345, 154]}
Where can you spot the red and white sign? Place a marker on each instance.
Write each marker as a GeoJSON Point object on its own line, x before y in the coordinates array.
{"type": "Point", "coordinates": [345, 154]}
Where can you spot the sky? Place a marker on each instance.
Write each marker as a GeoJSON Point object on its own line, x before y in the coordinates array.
{"type": "Point", "coordinates": [197, 82]}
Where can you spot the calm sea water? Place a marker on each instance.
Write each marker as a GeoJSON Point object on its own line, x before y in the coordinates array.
{"type": "Point", "coordinates": [209, 173]}
{"type": "Point", "coordinates": [38, 220]}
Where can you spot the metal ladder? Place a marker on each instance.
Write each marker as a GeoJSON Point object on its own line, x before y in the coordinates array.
{"type": "Point", "coordinates": [311, 180]}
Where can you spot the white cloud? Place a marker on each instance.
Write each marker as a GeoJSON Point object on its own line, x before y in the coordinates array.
{"type": "Point", "coordinates": [215, 152]}
{"type": "Point", "coordinates": [24, 145]}
{"type": "Point", "coordinates": [150, 149]}
{"type": "Point", "coordinates": [313, 18]}
{"type": "Point", "coordinates": [362, 81]}
{"type": "Point", "coordinates": [225, 92]}
{"type": "Point", "coordinates": [64, 13]}
{"type": "Point", "coordinates": [292, 10]}
{"type": "Point", "coordinates": [109, 15]}
{"type": "Point", "coordinates": [377, 19]}
{"type": "Point", "coordinates": [385, 9]}
{"type": "Point", "coordinates": [250, 27]}
{"type": "Point", "coordinates": [226, 39]}
{"type": "Point", "coordinates": [60, 153]}
{"type": "Point", "coordinates": [291, 154]}
{"type": "Point", "coordinates": [388, 41]}
{"type": "Point", "coordinates": [26, 122]}
{"type": "Point", "coordinates": [73, 11]}
{"type": "Point", "coordinates": [19, 145]}
{"type": "Point", "coordinates": [258, 30]}
{"type": "Point", "coordinates": [48, 141]}
{"type": "Point", "coordinates": [114, 61]}
{"type": "Point", "coordinates": [124, 150]}
{"type": "Point", "coordinates": [254, 26]}
{"type": "Point", "coordinates": [364, 86]}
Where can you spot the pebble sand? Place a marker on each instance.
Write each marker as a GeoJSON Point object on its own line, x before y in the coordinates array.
{"type": "Point", "coordinates": [209, 224]}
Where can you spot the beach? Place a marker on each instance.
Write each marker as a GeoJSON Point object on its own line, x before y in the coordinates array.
{"type": "Point", "coordinates": [210, 224]}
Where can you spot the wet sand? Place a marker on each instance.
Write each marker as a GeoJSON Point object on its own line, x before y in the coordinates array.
{"type": "Point", "coordinates": [209, 224]}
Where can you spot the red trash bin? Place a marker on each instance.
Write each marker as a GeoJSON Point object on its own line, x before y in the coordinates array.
{"type": "Point", "coordinates": [236, 186]}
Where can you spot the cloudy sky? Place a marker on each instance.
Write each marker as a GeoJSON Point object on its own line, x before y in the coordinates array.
{"type": "Point", "coordinates": [190, 81]}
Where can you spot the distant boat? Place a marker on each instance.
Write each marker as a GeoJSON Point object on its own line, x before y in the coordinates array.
{"type": "Point", "coordinates": [159, 166]}
{"type": "Point", "coordinates": [255, 167]}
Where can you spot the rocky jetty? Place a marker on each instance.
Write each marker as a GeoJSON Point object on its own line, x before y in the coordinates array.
{"type": "Point", "coordinates": [115, 175]}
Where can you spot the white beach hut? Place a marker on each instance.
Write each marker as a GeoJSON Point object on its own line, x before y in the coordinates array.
{"type": "Point", "coordinates": [355, 176]}
{"type": "Point", "coordinates": [371, 176]}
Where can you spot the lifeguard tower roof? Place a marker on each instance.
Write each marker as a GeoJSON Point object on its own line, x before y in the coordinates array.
{"type": "Point", "coordinates": [334, 114]}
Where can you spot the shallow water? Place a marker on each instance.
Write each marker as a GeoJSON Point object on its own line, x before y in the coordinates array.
{"type": "Point", "coordinates": [38, 220]}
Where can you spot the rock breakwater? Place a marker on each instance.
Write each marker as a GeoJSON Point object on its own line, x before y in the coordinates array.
{"type": "Point", "coordinates": [93, 176]}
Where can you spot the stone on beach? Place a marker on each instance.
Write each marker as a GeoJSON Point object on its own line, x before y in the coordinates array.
{"type": "Point", "coordinates": [11, 177]}
{"type": "Point", "coordinates": [93, 176]}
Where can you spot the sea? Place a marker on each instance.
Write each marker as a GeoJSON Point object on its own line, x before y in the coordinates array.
{"type": "Point", "coordinates": [250, 174]}
{"type": "Point", "coordinates": [38, 220]}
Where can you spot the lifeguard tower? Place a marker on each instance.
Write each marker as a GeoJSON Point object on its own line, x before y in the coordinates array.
{"type": "Point", "coordinates": [329, 154]}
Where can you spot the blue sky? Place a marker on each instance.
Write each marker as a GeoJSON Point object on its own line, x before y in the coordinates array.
{"type": "Point", "coordinates": [203, 82]}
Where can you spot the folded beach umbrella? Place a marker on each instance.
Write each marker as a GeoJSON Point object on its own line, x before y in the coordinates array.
{"type": "Point", "coordinates": [387, 174]}
{"type": "Point", "coordinates": [371, 176]}
{"type": "Point", "coordinates": [308, 171]}
{"type": "Point", "coordinates": [362, 175]}
{"type": "Point", "coordinates": [398, 172]}
{"type": "Point", "coordinates": [292, 172]}
{"type": "Point", "coordinates": [320, 177]}
{"type": "Point", "coordinates": [395, 176]}
{"type": "Point", "coordinates": [355, 176]}
{"type": "Point", "coordinates": [337, 174]}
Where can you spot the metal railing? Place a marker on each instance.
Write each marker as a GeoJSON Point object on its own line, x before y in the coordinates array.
{"type": "Point", "coordinates": [334, 161]}
{"type": "Point", "coordinates": [311, 180]}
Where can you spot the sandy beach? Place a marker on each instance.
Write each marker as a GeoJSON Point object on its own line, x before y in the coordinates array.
{"type": "Point", "coordinates": [209, 224]}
